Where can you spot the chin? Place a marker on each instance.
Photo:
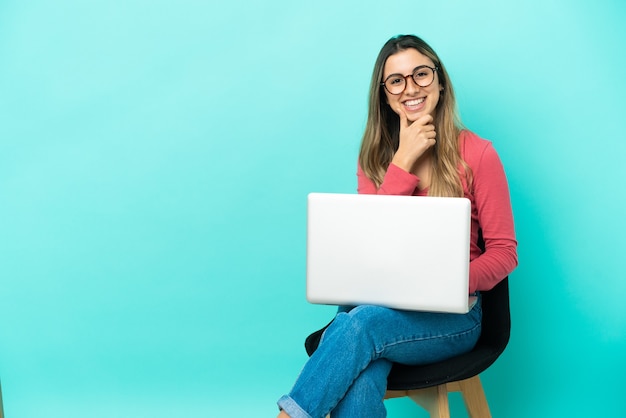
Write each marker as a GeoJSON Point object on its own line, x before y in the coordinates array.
{"type": "Point", "coordinates": [415, 116]}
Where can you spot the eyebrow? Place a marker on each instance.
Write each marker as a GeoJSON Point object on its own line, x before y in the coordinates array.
{"type": "Point", "coordinates": [412, 71]}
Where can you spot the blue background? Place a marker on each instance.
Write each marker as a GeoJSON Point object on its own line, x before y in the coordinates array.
{"type": "Point", "coordinates": [155, 158]}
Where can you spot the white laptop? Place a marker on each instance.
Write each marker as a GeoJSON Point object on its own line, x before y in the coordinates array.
{"type": "Point", "coordinates": [404, 252]}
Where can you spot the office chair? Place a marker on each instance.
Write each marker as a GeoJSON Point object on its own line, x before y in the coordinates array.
{"type": "Point", "coordinates": [428, 385]}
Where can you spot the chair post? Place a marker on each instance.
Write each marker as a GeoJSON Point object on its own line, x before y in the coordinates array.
{"type": "Point", "coordinates": [474, 397]}
{"type": "Point", "coordinates": [433, 399]}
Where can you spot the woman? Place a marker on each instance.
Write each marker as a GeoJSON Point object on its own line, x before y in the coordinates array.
{"type": "Point", "coordinates": [413, 145]}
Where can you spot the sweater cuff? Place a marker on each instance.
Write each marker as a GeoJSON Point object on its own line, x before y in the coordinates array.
{"type": "Point", "coordinates": [398, 182]}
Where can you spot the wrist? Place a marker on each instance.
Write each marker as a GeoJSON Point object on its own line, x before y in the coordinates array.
{"type": "Point", "coordinates": [402, 163]}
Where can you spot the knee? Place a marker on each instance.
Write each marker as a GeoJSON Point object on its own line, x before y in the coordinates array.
{"type": "Point", "coordinates": [361, 322]}
{"type": "Point", "coordinates": [369, 317]}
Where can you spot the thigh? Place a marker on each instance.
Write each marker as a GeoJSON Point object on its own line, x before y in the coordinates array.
{"type": "Point", "coordinates": [411, 337]}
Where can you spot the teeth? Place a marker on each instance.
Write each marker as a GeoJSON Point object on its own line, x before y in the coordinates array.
{"type": "Point", "coordinates": [414, 102]}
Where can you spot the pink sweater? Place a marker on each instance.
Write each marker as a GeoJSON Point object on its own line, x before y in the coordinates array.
{"type": "Point", "coordinates": [491, 209]}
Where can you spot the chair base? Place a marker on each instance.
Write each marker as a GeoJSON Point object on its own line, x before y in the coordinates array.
{"type": "Point", "coordinates": [435, 399]}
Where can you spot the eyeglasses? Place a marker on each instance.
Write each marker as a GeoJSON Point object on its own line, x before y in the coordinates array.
{"type": "Point", "coordinates": [423, 76]}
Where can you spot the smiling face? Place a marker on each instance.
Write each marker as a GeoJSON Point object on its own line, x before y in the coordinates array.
{"type": "Point", "coordinates": [414, 101]}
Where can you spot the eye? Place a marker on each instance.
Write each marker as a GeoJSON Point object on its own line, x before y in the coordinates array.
{"type": "Point", "coordinates": [394, 80]}
{"type": "Point", "coordinates": [422, 73]}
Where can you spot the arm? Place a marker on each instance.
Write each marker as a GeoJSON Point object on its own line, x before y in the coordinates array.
{"type": "Point", "coordinates": [396, 182]}
{"type": "Point", "coordinates": [415, 139]}
{"type": "Point", "coordinates": [495, 218]}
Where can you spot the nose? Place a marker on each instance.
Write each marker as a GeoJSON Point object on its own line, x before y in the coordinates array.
{"type": "Point", "coordinates": [411, 85]}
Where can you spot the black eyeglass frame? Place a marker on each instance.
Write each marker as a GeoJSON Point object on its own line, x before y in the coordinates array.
{"type": "Point", "coordinates": [412, 75]}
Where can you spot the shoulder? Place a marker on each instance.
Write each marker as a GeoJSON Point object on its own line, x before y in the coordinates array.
{"type": "Point", "coordinates": [475, 149]}
{"type": "Point", "coordinates": [472, 144]}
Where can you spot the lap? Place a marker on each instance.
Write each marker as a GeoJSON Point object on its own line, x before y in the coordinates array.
{"type": "Point", "coordinates": [409, 337]}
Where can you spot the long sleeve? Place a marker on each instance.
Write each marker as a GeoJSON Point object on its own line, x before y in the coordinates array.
{"type": "Point", "coordinates": [396, 182]}
{"type": "Point", "coordinates": [492, 214]}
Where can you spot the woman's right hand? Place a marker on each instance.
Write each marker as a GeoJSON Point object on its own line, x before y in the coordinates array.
{"type": "Point", "coordinates": [415, 139]}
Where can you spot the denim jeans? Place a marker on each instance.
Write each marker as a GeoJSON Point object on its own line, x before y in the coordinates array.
{"type": "Point", "coordinates": [347, 375]}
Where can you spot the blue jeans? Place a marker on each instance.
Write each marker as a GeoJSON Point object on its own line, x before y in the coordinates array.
{"type": "Point", "coordinates": [347, 375]}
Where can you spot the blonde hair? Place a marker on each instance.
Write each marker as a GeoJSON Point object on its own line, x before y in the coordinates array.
{"type": "Point", "coordinates": [381, 137]}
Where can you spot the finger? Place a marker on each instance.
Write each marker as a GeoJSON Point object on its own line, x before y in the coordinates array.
{"type": "Point", "coordinates": [425, 120]}
{"type": "Point", "coordinates": [404, 122]}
